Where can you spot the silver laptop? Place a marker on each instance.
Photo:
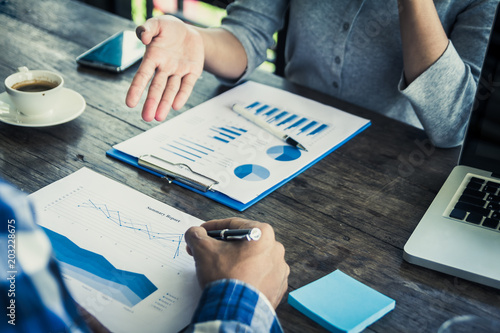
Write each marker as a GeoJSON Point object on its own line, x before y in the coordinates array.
{"type": "Point", "coordinates": [460, 232]}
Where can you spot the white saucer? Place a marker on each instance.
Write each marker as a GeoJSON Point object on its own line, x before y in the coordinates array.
{"type": "Point", "coordinates": [71, 106]}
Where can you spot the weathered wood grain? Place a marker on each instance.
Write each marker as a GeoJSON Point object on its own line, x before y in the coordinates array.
{"type": "Point", "coordinates": [353, 210]}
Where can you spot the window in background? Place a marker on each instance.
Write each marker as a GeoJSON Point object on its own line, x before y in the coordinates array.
{"type": "Point", "coordinates": [194, 12]}
{"type": "Point", "coordinates": [139, 11]}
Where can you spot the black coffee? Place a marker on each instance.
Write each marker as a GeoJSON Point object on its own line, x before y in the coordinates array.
{"type": "Point", "coordinates": [34, 86]}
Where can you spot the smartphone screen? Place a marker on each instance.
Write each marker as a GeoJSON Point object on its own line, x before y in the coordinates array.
{"type": "Point", "coordinates": [116, 53]}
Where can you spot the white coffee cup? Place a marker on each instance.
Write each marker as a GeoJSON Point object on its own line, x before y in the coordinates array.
{"type": "Point", "coordinates": [34, 93]}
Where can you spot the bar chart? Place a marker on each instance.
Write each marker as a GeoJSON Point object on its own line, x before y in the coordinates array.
{"type": "Point", "coordinates": [292, 123]}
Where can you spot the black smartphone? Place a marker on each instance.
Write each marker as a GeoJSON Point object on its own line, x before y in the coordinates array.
{"type": "Point", "coordinates": [115, 54]}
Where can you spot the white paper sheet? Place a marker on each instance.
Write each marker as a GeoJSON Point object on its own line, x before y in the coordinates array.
{"type": "Point", "coordinates": [246, 160]}
{"type": "Point", "coordinates": [122, 253]}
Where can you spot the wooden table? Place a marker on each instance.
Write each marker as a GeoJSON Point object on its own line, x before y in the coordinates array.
{"type": "Point", "coordinates": [353, 211]}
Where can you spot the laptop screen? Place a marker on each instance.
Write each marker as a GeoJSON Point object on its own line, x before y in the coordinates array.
{"type": "Point", "coordinates": [481, 148]}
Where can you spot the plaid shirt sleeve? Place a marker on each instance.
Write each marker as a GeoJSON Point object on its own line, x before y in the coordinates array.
{"type": "Point", "coordinates": [35, 299]}
{"type": "Point", "coordinates": [234, 306]}
{"type": "Point", "coordinates": [33, 295]}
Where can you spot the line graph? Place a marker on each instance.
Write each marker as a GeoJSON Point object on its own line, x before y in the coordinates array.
{"type": "Point", "coordinates": [124, 226]}
{"type": "Point", "coordinates": [120, 252]}
{"type": "Point", "coordinates": [115, 217]}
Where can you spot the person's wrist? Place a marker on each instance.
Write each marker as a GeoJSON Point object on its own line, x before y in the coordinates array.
{"type": "Point", "coordinates": [205, 40]}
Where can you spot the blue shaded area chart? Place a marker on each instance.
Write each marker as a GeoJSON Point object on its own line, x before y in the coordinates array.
{"type": "Point", "coordinates": [115, 217]}
{"type": "Point", "coordinates": [283, 153]}
{"type": "Point", "coordinates": [251, 172]}
{"type": "Point", "coordinates": [93, 269]}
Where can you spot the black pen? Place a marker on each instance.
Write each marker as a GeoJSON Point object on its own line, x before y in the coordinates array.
{"type": "Point", "coordinates": [236, 234]}
{"type": "Point", "coordinates": [266, 126]}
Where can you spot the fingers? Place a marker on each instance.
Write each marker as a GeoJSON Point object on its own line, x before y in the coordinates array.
{"type": "Point", "coordinates": [147, 31]}
{"type": "Point", "coordinates": [164, 93]}
{"type": "Point", "coordinates": [173, 62]}
{"type": "Point", "coordinates": [238, 223]}
{"type": "Point", "coordinates": [139, 31]}
{"type": "Point", "coordinates": [167, 90]}
{"type": "Point", "coordinates": [140, 81]}
{"type": "Point", "coordinates": [230, 223]}
{"type": "Point", "coordinates": [196, 239]}
{"type": "Point", "coordinates": [194, 234]}
{"type": "Point", "coordinates": [169, 93]}
{"type": "Point", "coordinates": [185, 90]}
{"type": "Point", "coordinates": [261, 264]}
{"type": "Point", "coordinates": [155, 97]}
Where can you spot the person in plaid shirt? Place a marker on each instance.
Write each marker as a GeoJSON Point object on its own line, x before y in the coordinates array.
{"type": "Point", "coordinates": [243, 282]}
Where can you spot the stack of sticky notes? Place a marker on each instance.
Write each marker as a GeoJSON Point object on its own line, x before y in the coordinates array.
{"type": "Point", "coordinates": [340, 303]}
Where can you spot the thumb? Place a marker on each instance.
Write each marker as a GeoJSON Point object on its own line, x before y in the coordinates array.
{"type": "Point", "coordinates": [147, 31]}
{"type": "Point", "coordinates": [195, 237]}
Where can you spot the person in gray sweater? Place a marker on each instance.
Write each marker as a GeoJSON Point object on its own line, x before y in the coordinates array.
{"type": "Point", "coordinates": [415, 61]}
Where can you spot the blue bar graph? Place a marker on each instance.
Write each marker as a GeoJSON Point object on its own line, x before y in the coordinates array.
{"type": "Point", "coordinates": [229, 131]}
{"type": "Point", "coordinates": [242, 130]}
{"type": "Point", "coordinates": [196, 144]}
{"type": "Point", "coordinates": [226, 133]}
{"type": "Point", "coordinates": [308, 126]}
{"type": "Point", "coordinates": [223, 134]}
{"type": "Point", "coordinates": [296, 124]}
{"type": "Point", "coordinates": [270, 112]}
{"type": "Point", "coordinates": [277, 117]}
{"type": "Point", "coordinates": [183, 151]}
{"type": "Point", "coordinates": [287, 119]}
{"type": "Point", "coordinates": [318, 129]}
{"type": "Point", "coordinates": [192, 148]}
{"type": "Point", "coordinates": [178, 154]}
{"type": "Point", "coordinates": [220, 139]}
{"type": "Point", "coordinates": [254, 104]}
{"type": "Point", "coordinates": [262, 108]}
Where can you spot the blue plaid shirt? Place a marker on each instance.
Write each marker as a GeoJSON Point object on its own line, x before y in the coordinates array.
{"type": "Point", "coordinates": [35, 299]}
{"type": "Point", "coordinates": [234, 306]}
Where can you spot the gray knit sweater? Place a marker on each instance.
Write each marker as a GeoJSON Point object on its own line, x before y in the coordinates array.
{"type": "Point", "coordinates": [351, 49]}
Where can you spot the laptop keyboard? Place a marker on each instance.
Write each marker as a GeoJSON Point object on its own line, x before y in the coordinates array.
{"type": "Point", "coordinates": [479, 204]}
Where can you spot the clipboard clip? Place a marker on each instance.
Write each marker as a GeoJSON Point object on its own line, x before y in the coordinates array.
{"type": "Point", "coordinates": [177, 171]}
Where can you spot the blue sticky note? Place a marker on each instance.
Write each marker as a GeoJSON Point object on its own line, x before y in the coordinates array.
{"type": "Point", "coordinates": [340, 303]}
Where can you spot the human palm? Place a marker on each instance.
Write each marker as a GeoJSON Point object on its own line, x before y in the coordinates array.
{"type": "Point", "coordinates": [173, 61]}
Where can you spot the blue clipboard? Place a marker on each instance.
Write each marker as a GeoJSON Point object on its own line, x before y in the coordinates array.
{"type": "Point", "coordinates": [218, 196]}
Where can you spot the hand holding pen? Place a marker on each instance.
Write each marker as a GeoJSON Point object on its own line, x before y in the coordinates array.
{"type": "Point", "coordinates": [259, 263]}
{"type": "Point", "coordinates": [236, 234]}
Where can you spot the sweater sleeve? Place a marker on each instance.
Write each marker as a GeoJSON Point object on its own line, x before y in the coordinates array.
{"type": "Point", "coordinates": [254, 23]}
{"type": "Point", "coordinates": [443, 95]}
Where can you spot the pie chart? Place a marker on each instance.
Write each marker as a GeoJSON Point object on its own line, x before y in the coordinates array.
{"type": "Point", "coordinates": [283, 153]}
{"type": "Point", "coordinates": [251, 172]}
